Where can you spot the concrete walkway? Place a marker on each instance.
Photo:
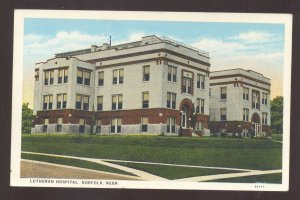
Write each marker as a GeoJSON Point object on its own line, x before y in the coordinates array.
{"type": "Point", "coordinates": [232, 175]}
{"type": "Point", "coordinates": [38, 169]}
{"type": "Point", "coordinates": [142, 175]}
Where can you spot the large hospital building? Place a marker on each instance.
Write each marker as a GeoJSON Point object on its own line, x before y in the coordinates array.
{"type": "Point", "coordinates": [155, 85]}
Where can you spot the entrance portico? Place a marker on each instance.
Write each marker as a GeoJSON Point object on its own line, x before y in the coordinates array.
{"type": "Point", "coordinates": [256, 124]}
{"type": "Point", "coordinates": [186, 107]}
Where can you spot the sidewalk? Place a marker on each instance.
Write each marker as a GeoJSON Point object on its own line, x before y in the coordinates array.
{"type": "Point", "coordinates": [142, 175]}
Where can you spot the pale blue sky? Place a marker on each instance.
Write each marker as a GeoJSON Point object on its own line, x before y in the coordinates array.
{"type": "Point", "coordinates": [256, 46]}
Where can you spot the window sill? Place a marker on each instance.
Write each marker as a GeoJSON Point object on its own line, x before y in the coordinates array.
{"type": "Point", "coordinates": [83, 85]}
{"type": "Point", "coordinates": [171, 108]}
{"type": "Point", "coordinates": [49, 85]}
{"type": "Point", "coordinates": [187, 94]}
{"type": "Point", "coordinates": [172, 82]}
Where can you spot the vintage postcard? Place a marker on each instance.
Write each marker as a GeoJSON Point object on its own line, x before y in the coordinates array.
{"type": "Point", "coordinates": [151, 100]}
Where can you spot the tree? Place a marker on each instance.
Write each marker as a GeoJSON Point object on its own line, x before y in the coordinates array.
{"type": "Point", "coordinates": [27, 117]}
{"type": "Point", "coordinates": [193, 117]}
{"type": "Point", "coordinates": [277, 114]}
{"type": "Point", "coordinates": [93, 122]}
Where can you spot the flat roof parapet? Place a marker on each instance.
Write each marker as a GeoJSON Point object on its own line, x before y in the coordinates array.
{"type": "Point", "coordinates": [146, 40]}
{"type": "Point", "coordinates": [239, 72]}
{"type": "Point", "coordinates": [73, 53]}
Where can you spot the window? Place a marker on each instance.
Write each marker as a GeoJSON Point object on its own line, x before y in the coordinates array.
{"type": "Point", "coordinates": [118, 76]}
{"type": "Point", "coordinates": [115, 126]}
{"type": "Point", "coordinates": [61, 101]}
{"type": "Point", "coordinates": [100, 78]}
{"type": "Point", "coordinates": [81, 125]}
{"type": "Point", "coordinates": [200, 106]}
{"type": "Point", "coordinates": [210, 92]}
{"type": "Point", "coordinates": [171, 100]}
{"type": "Point", "coordinates": [172, 74]}
{"type": "Point", "coordinates": [82, 102]}
{"type": "Point", "coordinates": [65, 75]}
{"type": "Point", "coordinates": [200, 81]}
{"type": "Point", "coordinates": [85, 103]}
{"type": "Point", "coordinates": [146, 73]}
{"type": "Point", "coordinates": [87, 77]}
{"type": "Point", "coordinates": [145, 100]}
{"type": "Point", "coordinates": [246, 93]}
{"type": "Point", "coordinates": [79, 76]}
{"type": "Point", "coordinates": [98, 126]}
{"type": "Point", "coordinates": [223, 92]}
{"type": "Point", "coordinates": [144, 124]}
{"type": "Point", "coordinates": [36, 75]}
{"type": "Point", "coordinates": [46, 122]}
{"type": "Point", "coordinates": [264, 118]}
{"type": "Point", "coordinates": [46, 78]}
{"type": "Point", "coordinates": [245, 114]}
{"type": "Point", "coordinates": [62, 76]}
{"type": "Point", "coordinates": [117, 102]}
{"type": "Point", "coordinates": [264, 98]}
{"type": "Point", "coordinates": [83, 77]}
{"type": "Point", "coordinates": [187, 85]}
{"type": "Point", "coordinates": [59, 125]}
{"type": "Point", "coordinates": [199, 126]}
{"type": "Point", "coordinates": [255, 99]}
{"type": "Point", "coordinates": [223, 114]}
{"type": "Point", "coordinates": [49, 77]}
{"type": "Point", "coordinates": [171, 125]}
{"type": "Point", "coordinates": [99, 103]}
{"type": "Point", "coordinates": [48, 102]}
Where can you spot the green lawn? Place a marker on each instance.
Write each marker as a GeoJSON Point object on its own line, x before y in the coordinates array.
{"type": "Point", "coordinates": [207, 151]}
{"type": "Point", "coordinates": [73, 162]}
{"type": "Point", "coordinates": [266, 178]}
{"type": "Point", "coordinates": [277, 137]}
{"type": "Point", "coordinates": [175, 172]}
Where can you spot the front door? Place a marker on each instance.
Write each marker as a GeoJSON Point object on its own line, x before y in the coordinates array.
{"type": "Point", "coordinates": [256, 129]}
{"type": "Point", "coordinates": [183, 120]}
{"type": "Point", "coordinates": [255, 119]}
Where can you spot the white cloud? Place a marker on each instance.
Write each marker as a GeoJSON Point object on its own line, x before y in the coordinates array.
{"type": "Point", "coordinates": [41, 47]}
{"type": "Point", "coordinates": [266, 58]}
{"type": "Point", "coordinates": [136, 36]}
{"type": "Point", "coordinates": [218, 47]}
{"type": "Point", "coordinates": [256, 37]}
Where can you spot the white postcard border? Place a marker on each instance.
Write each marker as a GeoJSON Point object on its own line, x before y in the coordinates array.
{"type": "Point", "coordinates": [20, 15]}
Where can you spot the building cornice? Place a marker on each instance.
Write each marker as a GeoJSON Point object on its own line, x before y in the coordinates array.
{"type": "Point", "coordinates": [239, 75]}
{"type": "Point", "coordinates": [161, 50]}
{"type": "Point", "coordinates": [150, 60]}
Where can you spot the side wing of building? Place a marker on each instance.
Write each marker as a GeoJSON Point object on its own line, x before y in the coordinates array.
{"type": "Point", "coordinates": [240, 102]}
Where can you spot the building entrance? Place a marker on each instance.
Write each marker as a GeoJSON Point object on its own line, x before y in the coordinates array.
{"type": "Point", "coordinates": [256, 126]}
{"type": "Point", "coordinates": [185, 108]}
{"type": "Point", "coordinates": [183, 118]}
